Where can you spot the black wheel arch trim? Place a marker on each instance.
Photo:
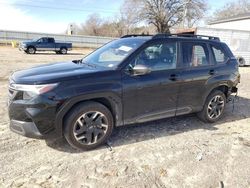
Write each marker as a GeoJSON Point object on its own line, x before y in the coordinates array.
{"type": "Point", "coordinates": [63, 47]}
{"type": "Point", "coordinates": [218, 81]}
{"type": "Point", "coordinates": [212, 88]}
{"type": "Point", "coordinates": [31, 46]}
{"type": "Point", "coordinates": [114, 101]}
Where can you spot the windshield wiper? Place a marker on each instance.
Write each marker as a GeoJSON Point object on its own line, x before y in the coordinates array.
{"type": "Point", "coordinates": [85, 63]}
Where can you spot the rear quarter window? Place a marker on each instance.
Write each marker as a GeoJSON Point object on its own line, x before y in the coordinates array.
{"type": "Point", "coordinates": [220, 56]}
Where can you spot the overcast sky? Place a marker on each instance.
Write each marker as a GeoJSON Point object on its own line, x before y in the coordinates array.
{"type": "Point", "coordinates": [53, 16]}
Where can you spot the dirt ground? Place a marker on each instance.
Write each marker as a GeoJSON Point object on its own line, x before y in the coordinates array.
{"type": "Point", "coordinates": [175, 152]}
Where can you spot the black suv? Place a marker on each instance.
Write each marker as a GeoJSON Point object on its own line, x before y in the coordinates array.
{"type": "Point", "coordinates": [130, 80]}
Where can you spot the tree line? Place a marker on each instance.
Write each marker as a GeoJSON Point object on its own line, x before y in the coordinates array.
{"type": "Point", "coordinates": [157, 16]}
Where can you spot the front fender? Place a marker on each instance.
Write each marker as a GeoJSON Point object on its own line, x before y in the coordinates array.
{"type": "Point", "coordinates": [113, 98]}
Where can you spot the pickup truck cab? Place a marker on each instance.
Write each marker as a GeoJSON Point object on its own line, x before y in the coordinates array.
{"type": "Point", "coordinates": [45, 44]}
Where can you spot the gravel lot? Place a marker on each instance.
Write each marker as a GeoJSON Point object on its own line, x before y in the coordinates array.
{"type": "Point", "coordinates": [175, 152]}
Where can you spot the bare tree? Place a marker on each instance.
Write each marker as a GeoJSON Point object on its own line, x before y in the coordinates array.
{"type": "Point", "coordinates": [135, 14]}
{"type": "Point", "coordinates": [194, 10]}
{"type": "Point", "coordinates": [232, 9]}
{"type": "Point", "coordinates": [130, 14]}
{"type": "Point", "coordinates": [163, 14]}
{"type": "Point", "coordinates": [92, 25]}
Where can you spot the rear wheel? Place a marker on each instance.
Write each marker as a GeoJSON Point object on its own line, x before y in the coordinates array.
{"type": "Point", "coordinates": [214, 107]}
{"type": "Point", "coordinates": [241, 61]}
{"type": "Point", "coordinates": [63, 50]}
{"type": "Point", "coordinates": [88, 125]}
{"type": "Point", "coordinates": [31, 50]}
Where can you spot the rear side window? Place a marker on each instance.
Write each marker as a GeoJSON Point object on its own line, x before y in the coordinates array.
{"type": "Point", "coordinates": [219, 54]}
{"type": "Point", "coordinates": [50, 40]}
{"type": "Point", "coordinates": [194, 54]}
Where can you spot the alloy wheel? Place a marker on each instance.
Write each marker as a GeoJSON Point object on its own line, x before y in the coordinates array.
{"type": "Point", "coordinates": [215, 107]}
{"type": "Point", "coordinates": [90, 127]}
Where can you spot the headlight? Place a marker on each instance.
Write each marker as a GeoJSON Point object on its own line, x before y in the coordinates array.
{"type": "Point", "coordinates": [30, 91]}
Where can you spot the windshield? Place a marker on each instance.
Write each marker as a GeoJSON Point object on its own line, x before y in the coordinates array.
{"type": "Point", "coordinates": [113, 53]}
{"type": "Point", "coordinates": [35, 40]}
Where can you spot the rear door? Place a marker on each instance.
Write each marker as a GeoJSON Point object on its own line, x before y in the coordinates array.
{"type": "Point", "coordinates": [154, 95]}
{"type": "Point", "coordinates": [51, 44]}
{"type": "Point", "coordinates": [196, 68]}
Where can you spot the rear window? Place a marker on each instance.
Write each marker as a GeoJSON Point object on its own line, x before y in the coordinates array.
{"type": "Point", "coordinates": [220, 55]}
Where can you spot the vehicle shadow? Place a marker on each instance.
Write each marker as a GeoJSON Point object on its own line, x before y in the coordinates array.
{"type": "Point", "coordinates": [125, 135]}
{"type": "Point", "coordinates": [47, 53]}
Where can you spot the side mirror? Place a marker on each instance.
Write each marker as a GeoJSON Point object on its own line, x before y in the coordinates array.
{"type": "Point", "coordinates": [140, 70]}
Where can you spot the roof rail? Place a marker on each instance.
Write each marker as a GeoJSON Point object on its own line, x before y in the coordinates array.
{"type": "Point", "coordinates": [142, 35]}
{"type": "Point", "coordinates": [187, 35]}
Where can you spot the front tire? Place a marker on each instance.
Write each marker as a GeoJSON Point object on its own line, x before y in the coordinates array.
{"type": "Point", "coordinates": [214, 107]}
{"type": "Point", "coordinates": [88, 125]}
{"type": "Point", "coordinates": [31, 50]}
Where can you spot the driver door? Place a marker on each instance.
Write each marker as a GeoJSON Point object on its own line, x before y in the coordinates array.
{"type": "Point", "coordinates": [42, 44]}
{"type": "Point", "coordinates": [154, 95]}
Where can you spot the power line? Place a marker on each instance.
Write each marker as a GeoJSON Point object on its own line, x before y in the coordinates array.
{"type": "Point", "coordinates": [60, 8]}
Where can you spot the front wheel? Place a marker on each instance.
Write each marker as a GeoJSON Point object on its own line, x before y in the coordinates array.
{"type": "Point", "coordinates": [31, 50]}
{"type": "Point", "coordinates": [214, 107]}
{"type": "Point", "coordinates": [88, 125]}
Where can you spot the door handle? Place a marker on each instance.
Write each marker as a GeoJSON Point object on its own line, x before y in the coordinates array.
{"type": "Point", "coordinates": [173, 77]}
{"type": "Point", "coordinates": [211, 72]}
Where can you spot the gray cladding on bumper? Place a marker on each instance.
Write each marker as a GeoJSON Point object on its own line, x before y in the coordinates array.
{"type": "Point", "coordinates": [27, 129]}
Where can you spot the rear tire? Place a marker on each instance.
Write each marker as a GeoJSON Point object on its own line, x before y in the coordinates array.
{"type": "Point", "coordinates": [88, 125]}
{"type": "Point", "coordinates": [213, 108]}
{"type": "Point", "coordinates": [63, 50]}
{"type": "Point", "coordinates": [241, 61]}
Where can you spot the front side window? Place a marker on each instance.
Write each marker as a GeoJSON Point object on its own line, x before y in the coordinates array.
{"type": "Point", "coordinates": [219, 54]}
{"type": "Point", "coordinates": [43, 40]}
{"type": "Point", "coordinates": [194, 54]}
{"type": "Point", "coordinates": [158, 56]}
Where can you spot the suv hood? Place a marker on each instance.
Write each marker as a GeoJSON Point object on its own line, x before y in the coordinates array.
{"type": "Point", "coordinates": [51, 73]}
{"type": "Point", "coordinates": [27, 42]}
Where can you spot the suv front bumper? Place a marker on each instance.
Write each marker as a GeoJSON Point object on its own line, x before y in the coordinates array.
{"type": "Point", "coordinates": [28, 129]}
{"type": "Point", "coordinates": [22, 48]}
